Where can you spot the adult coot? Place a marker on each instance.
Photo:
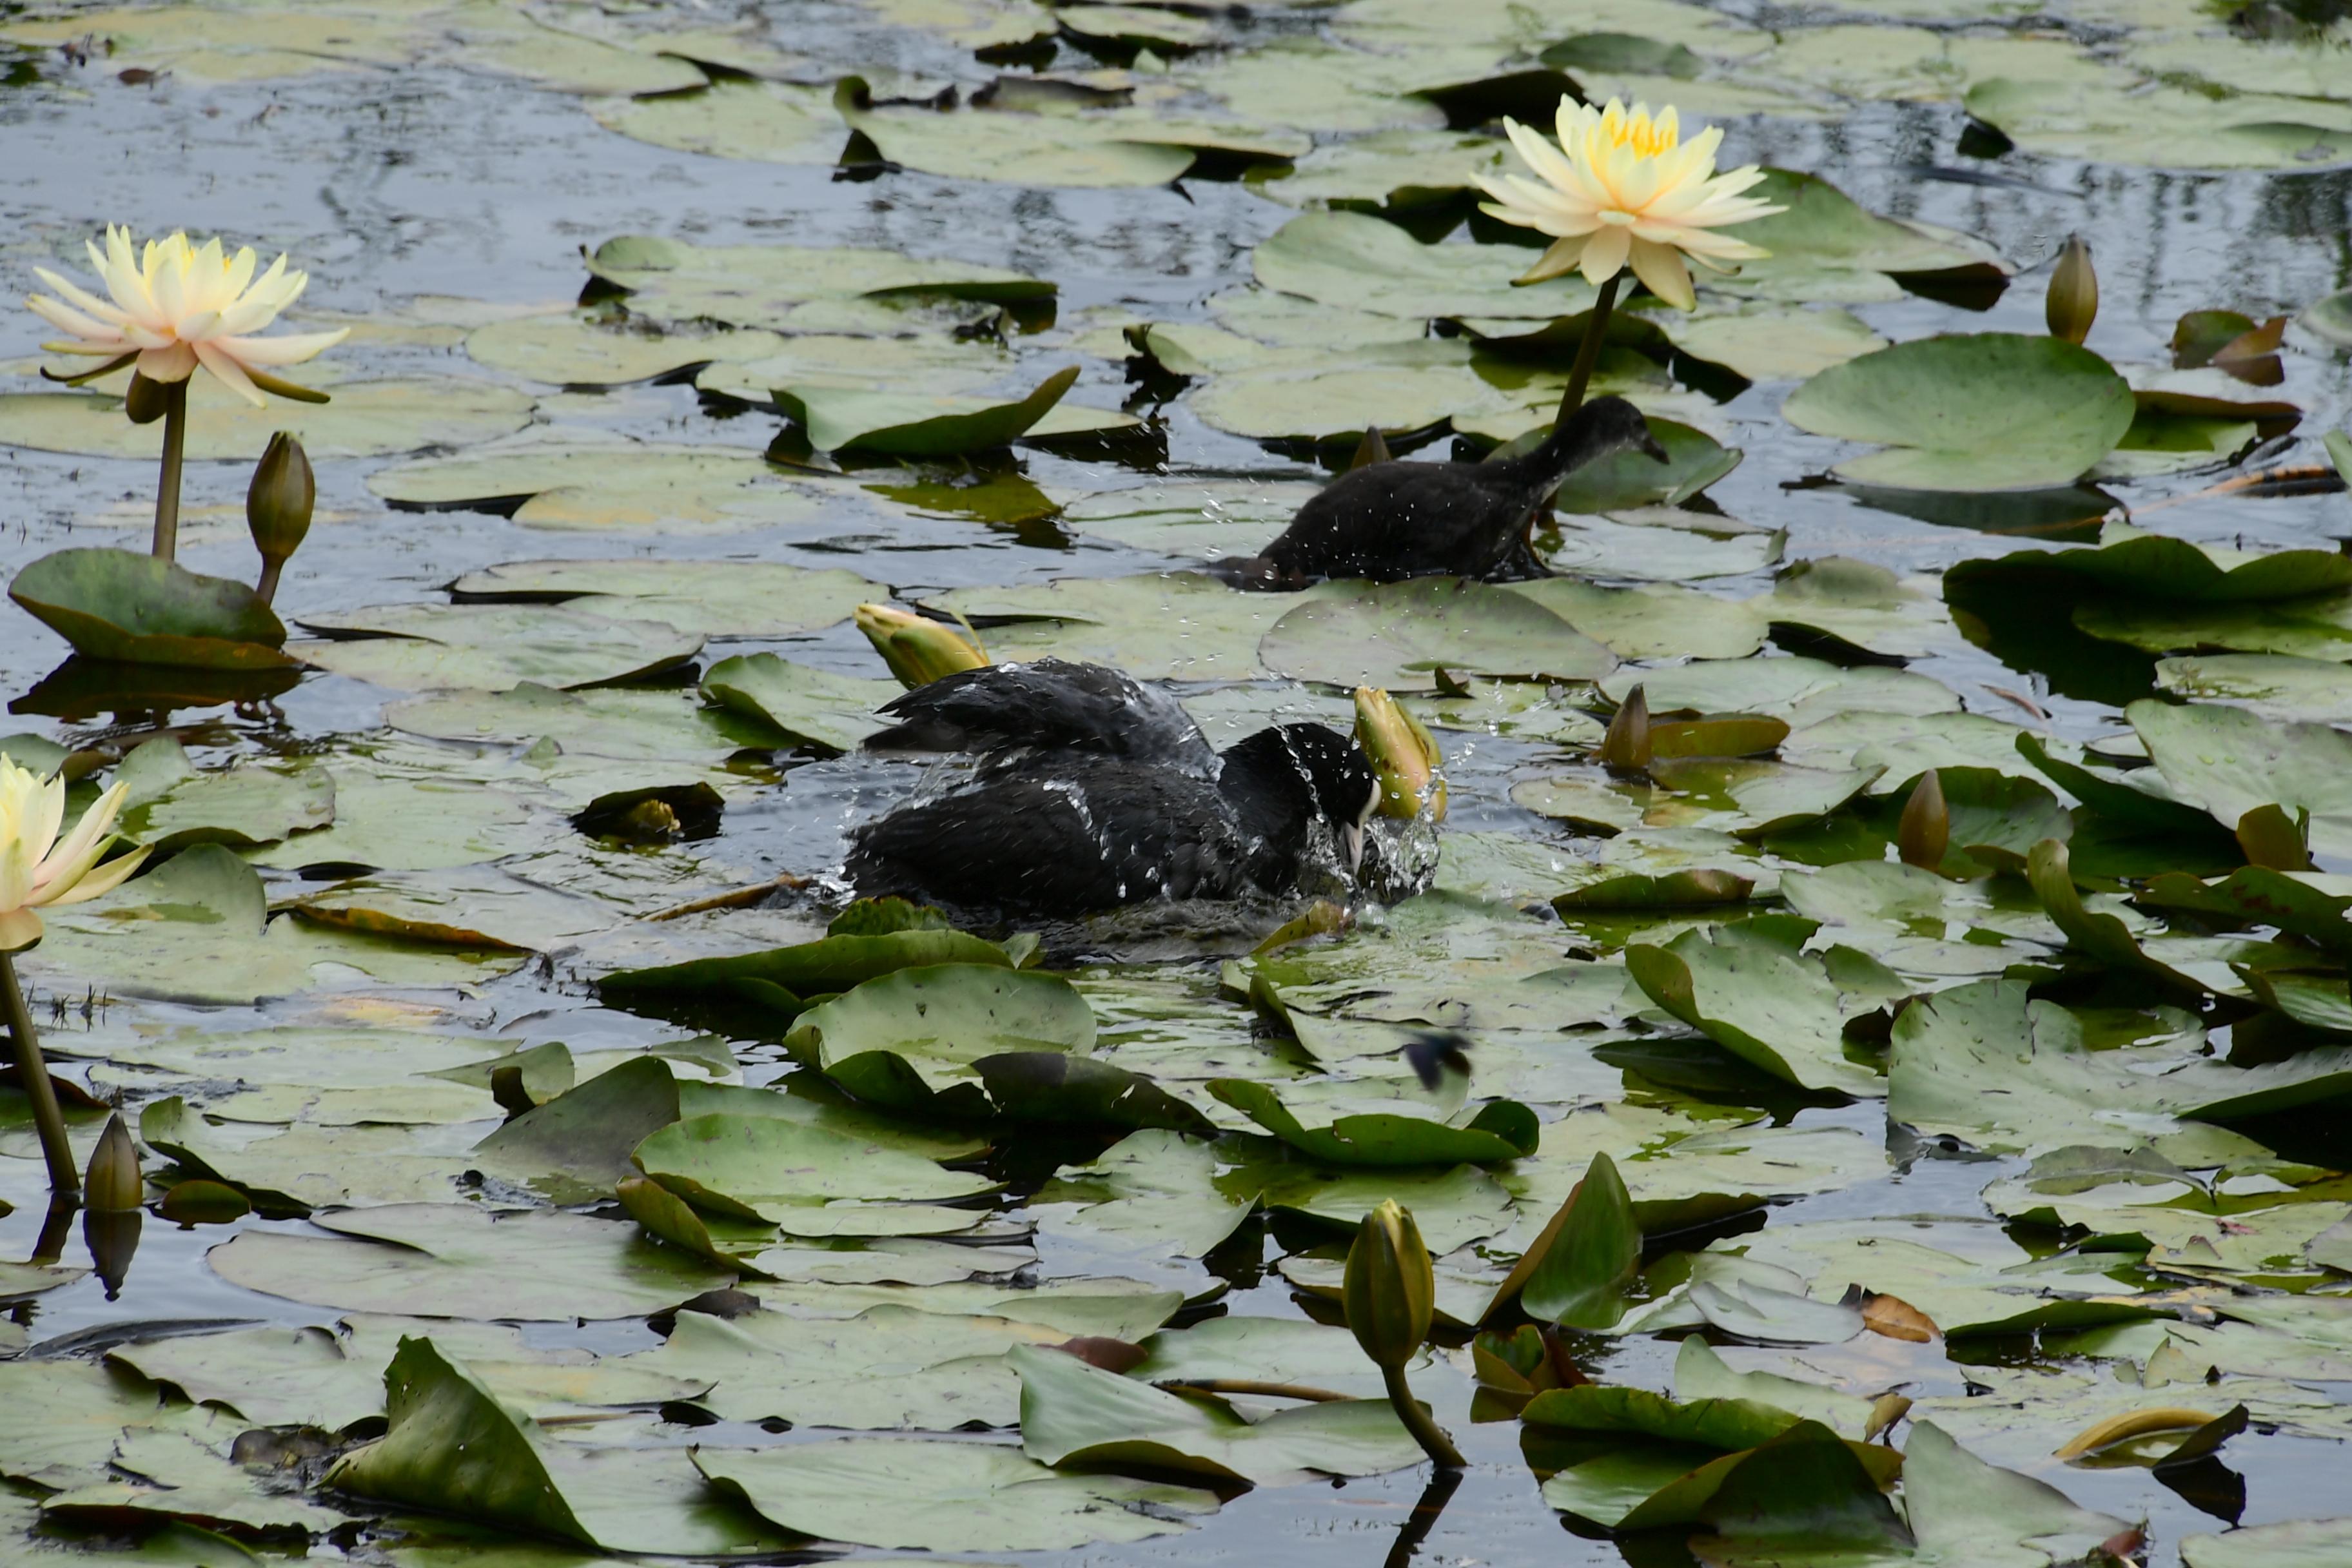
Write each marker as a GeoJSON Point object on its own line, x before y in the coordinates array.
{"type": "Point", "coordinates": [1091, 793]}
{"type": "Point", "coordinates": [1387, 522]}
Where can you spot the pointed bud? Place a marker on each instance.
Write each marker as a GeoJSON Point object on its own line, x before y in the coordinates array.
{"type": "Point", "coordinates": [2072, 302]}
{"type": "Point", "coordinates": [917, 651]}
{"type": "Point", "coordinates": [1926, 830]}
{"type": "Point", "coordinates": [1403, 755]}
{"type": "Point", "coordinates": [1389, 1288]}
{"type": "Point", "coordinates": [112, 1184]}
{"type": "Point", "coordinates": [147, 401]}
{"type": "Point", "coordinates": [1372, 449]}
{"type": "Point", "coordinates": [277, 503]}
{"type": "Point", "coordinates": [1626, 748]}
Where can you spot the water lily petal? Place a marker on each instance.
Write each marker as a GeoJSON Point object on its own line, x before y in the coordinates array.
{"type": "Point", "coordinates": [106, 878]}
{"type": "Point", "coordinates": [216, 358]}
{"type": "Point", "coordinates": [1660, 268]}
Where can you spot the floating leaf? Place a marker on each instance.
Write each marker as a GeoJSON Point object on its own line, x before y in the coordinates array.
{"type": "Point", "coordinates": [1500, 1129]}
{"type": "Point", "coordinates": [1399, 635]}
{"type": "Point", "coordinates": [1760, 999]}
{"type": "Point", "coordinates": [716, 598]}
{"type": "Point", "coordinates": [115, 605]}
{"type": "Point", "coordinates": [811, 705]}
{"type": "Point", "coordinates": [1990, 411]}
{"type": "Point", "coordinates": [760, 1167]}
{"type": "Point", "coordinates": [417, 647]}
{"type": "Point", "coordinates": [910, 1040]}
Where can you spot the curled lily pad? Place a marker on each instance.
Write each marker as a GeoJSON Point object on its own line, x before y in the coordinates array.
{"type": "Point", "coordinates": [115, 605]}
{"type": "Point", "coordinates": [2232, 762]}
{"type": "Point", "coordinates": [2136, 565]}
{"type": "Point", "coordinates": [914, 425]}
{"type": "Point", "coordinates": [1500, 1129]}
{"type": "Point", "coordinates": [762, 1167]}
{"type": "Point", "coordinates": [1987, 411]}
{"type": "Point", "coordinates": [832, 963]}
{"type": "Point", "coordinates": [813, 706]}
{"type": "Point", "coordinates": [1757, 995]}
{"type": "Point", "coordinates": [910, 1040]}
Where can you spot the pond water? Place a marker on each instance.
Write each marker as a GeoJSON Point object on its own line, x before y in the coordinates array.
{"type": "Point", "coordinates": [443, 170]}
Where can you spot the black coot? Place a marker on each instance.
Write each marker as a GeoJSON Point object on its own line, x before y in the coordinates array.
{"type": "Point", "coordinates": [1389, 521]}
{"type": "Point", "coordinates": [1092, 792]}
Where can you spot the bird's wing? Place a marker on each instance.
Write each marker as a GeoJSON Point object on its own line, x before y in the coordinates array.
{"type": "Point", "coordinates": [1045, 704]}
{"type": "Point", "coordinates": [1068, 841]}
{"type": "Point", "coordinates": [1402, 519]}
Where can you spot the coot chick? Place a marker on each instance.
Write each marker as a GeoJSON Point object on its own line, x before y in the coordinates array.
{"type": "Point", "coordinates": [1047, 703]}
{"type": "Point", "coordinates": [1389, 521]}
{"type": "Point", "coordinates": [1061, 831]}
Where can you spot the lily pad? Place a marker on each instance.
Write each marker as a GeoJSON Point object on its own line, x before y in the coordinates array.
{"type": "Point", "coordinates": [1760, 999]}
{"type": "Point", "coordinates": [1500, 1129]}
{"type": "Point", "coordinates": [1988, 411]}
{"type": "Point", "coordinates": [716, 598]}
{"type": "Point", "coordinates": [2164, 126]}
{"type": "Point", "coordinates": [911, 1040]}
{"type": "Point", "coordinates": [1399, 635]}
{"type": "Point", "coordinates": [116, 604]}
{"type": "Point", "coordinates": [916, 424]}
{"type": "Point", "coordinates": [172, 804]}
{"type": "Point", "coordinates": [1085, 1418]}
{"type": "Point", "coordinates": [1175, 626]}
{"type": "Point", "coordinates": [943, 1497]}
{"type": "Point", "coordinates": [420, 647]}
{"type": "Point", "coordinates": [366, 419]}
{"type": "Point", "coordinates": [580, 348]}
{"type": "Point", "coordinates": [2230, 760]}
{"type": "Point", "coordinates": [575, 483]}
{"type": "Point", "coordinates": [1365, 263]}
{"type": "Point", "coordinates": [811, 705]}
{"type": "Point", "coordinates": [761, 285]}
{"type": "Point", "coordinates": [760, 1167]}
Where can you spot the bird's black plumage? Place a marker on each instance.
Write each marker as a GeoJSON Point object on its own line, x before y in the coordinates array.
{"type": "Point", "coordinates": [1077, 813]}
{"type": "Point", "coordinates": [1049, 703]}
{"type": "Point", "coordinates": [1389, 521]}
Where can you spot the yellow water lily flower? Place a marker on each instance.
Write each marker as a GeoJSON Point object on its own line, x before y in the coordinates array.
{"type": "Point", "coordinates": [177, 306]}
{"type": "Point", "coordinates": [36, 869]}
{"type": "Point", "coordinates": [1624, 188]}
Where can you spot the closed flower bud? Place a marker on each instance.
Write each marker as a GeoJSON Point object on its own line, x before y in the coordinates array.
{"type": "Point", "coordinates": [277, 502]}
{"type": "Point", "coordinates": [147, 401]}
{"type": "Point", "coordinates": [2073, 299]}
{"type": "Point", "coordinates": [113, 1183]}
{"type": "Point", "coordinates": [1926, 830]}
{"type": "Point", "coordinates": [1403, 755]}
{"type": "Point", "coordinates": [917, 651]}
{"type": "Point", "coordinates": [1626, 748]}
{"type": "Point", "coordinates": [1390, 1290]}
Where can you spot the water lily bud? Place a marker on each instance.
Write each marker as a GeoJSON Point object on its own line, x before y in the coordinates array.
{"type": "Point", "coordinates": [277, 503]}
{"type": "Point", "coordinates": [147, 401]}
{"type": "Point", "coordinates": [2072, 302]}
{"type": "Point", "coordinates": [112, 1184]}
{"type": "Point", "coordinates": [1403, 755]}
{"type": "Point", "coordinates": [112, 1237]}
{"type": "Point", "coordinates": [1926, 830]}
{"type": "Point", "coordinates": [917, 651]}
{"type": "Point", "coordinates": [1389, 1288]}
{"type": "Point", "coordinates": [1626, 748]}
{"type": "Point", "coordinates": [1372, 449]}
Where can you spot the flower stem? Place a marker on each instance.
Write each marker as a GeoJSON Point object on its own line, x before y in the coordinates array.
{"type": "Point", "coordinates": [1596, 327]}
{"type": "Point", "coordinates": [266, 587]}
{"type": "Point", "coordinates": [1419, 1422]}
{"type": "Point", "coordinates": [167, 483]}
{"type": "Point", "coordinates": [1442, 1483]}
{"type": "Point", "coordinates": [34, 1074]}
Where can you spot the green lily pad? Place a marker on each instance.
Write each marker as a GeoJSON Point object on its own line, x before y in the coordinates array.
{"type": "Point", "coordinates": [762, 285]}
{"type": "Point", "coordinates": [2293, 1543]}
{"type": "Point", "coordinates": [1655, 622]}
{"type": "Point", "coordinates": [1399, 635]}
{"type": "Point", "coordinates": [1084, 1417]}
{"type": "Point", "coordinates": [580, 348]}
{"type": "Point", "coordinates": [625, 723]}
{"type": "Point", "coordinates": [435, 1261]}
{"type": "Point", "coordinates": [115, 605]}
{"type": "Point", "coordinates": [366, 419]}
{"type": "Point", "coordinates": [1987, 411]}
{"type": "Point", "coordinates": [938, 363]}
{"type": "Point", "coordinates": [813, 706]}
{"type": "Point", "coordinates": [1829, 247]}
{"type": "Point", "coordinates": [574, 483]}
{"type": "Point", "coordinates": [1695, 461]}
{"type": "Point", "coordinates": [171, 805]}
{"type": "Point", "coordinates": [1154, 1188]}
{"type": "Point", "coordinates": [771, 121]}
{"type": "Point", "coordinates": [1500, 1129]}
{"type": "Point", "coordinates": [2276, 686]}
{"type": "Point", "coordinates": [453, 1448]}
{"type": "Point", "coordinates": [918, 424]}
{"type": "Point", "coordinates": [1760, 999]}
{"type": "Point", "coordinates": [832, 963]}
{"type": "Point", "coordinates": [760, 1167]}
{"type": "Point", "coordinates": [2135, 566]}
{"type": "Point", "coordinates": [950, 1496]}
{"type": "Point", "coordinates": [910, 1040]}
{"type": "Point", "coordinates": [1368, 264]}
{"type": "Point", "coordinates": [716, 598]}
{"type": "Point", "coordinates": [2164, 126]}
{"type": "Point", "coordinates": [419, 648]}
{"type": "Point", "coordinates": [2230, 760]}
{"type": "Point", "coordinates": [1127, 622]}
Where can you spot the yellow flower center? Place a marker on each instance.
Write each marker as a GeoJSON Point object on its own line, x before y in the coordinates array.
{"type": "Point", "coordinates": [1647, 137]}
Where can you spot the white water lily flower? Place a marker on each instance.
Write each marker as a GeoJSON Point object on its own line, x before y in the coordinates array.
{"type": "Point", "coordinates": [1626, 188]}
{"type": "Point", "coordinates": [177, 306]}
{"type": "Point", "coordinates": [36, 869]}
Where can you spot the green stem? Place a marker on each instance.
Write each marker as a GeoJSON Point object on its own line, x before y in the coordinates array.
{"type": "Point", "coordinates": [1442, 1483]}
{"type": "Point", "coordinates": [1417, 1421]}
{"type": "Point", "coordinates": [1588, 352]}
{"type": "Point", "coordinates": [167, 483]}
{"type": "Point", "coordinates": [34, 1074]}
{"type": "Point", "coordinates": [266, 588]}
